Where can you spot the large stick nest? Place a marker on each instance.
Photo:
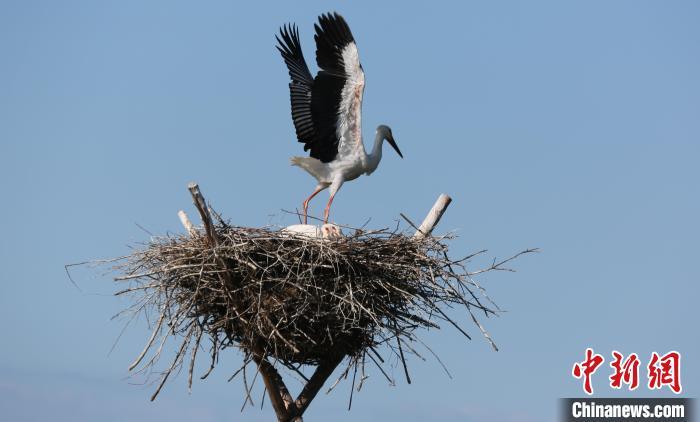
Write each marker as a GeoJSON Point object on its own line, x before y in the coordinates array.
{"type": "Point", "coordinates": [298, 299]}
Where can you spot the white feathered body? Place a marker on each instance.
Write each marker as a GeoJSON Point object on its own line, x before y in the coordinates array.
{"type": "Point", "coordinates": [352, 160]}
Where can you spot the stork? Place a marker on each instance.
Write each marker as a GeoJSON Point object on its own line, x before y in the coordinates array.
{"type": "Point", "coordinates": [327, 109]}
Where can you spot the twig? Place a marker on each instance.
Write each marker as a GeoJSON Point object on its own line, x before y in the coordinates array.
{"type": "Point", "coordinates": [150, 341]}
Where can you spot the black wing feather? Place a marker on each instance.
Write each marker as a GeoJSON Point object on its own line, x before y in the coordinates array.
{"type": "Point", "coordinates": [301, 83]}
{"type": "Point", "coordinates": [332, 36]}
{"type": "Point", "coordinates": [316, 103]}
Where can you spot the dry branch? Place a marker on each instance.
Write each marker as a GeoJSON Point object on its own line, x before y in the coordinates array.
{"type": "Point", "coordinates": [434, 216]}
{"type": "Point", "coordinates": [186, 223]}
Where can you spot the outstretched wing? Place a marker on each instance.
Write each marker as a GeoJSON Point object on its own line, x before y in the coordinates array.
{"type": "Point", "coordinates": [301, 84]}
{"type": "Point", "coordinates": [336, 99]}
{"type": "Point", "coordinates": [325, 110]}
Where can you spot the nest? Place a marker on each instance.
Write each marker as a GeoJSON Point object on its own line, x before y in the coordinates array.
{"type": "Point", "coordinates": [295, 300]}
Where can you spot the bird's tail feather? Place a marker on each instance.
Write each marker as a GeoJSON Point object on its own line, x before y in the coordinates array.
{"type": "Point", "coordinates": [312, 166]}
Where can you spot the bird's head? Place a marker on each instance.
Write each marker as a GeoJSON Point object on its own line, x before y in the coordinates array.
{"type": "Point", "coordinates": [385, 132]}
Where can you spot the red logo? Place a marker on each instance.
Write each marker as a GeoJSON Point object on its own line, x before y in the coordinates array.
{"type": "Point", "coordinates": [587, 368]}
{"type": "Point", "coordinates": [661, 371]}
{"type": "Point", "coordinates": [665, 370]}
{"type": "Point", "coordinates": [626, 371]}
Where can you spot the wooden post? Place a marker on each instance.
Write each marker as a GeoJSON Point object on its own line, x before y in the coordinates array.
{"type": "Point", "coordinates": [203, 209]}
{"type": "Point", "coordinates": [433, 217]}
{"type": "Point", "coordinates": [280, 398]}
{"type": "Point", "coordinates": [186, 223]}
{"type": "Point", "coordinates": [312, 387]}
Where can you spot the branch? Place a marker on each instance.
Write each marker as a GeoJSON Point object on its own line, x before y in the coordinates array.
{"type": "Point", "coordinates": [201, 205]}
{"type": "Point", "coordinates": [186, 223]}
{"type": "Point", "coordinates": [498, 266]}
{"type": "Point", "coordinates": [433, 217]}
{"type": "Point", "coordinates": [280, 398]}
{"type": "Point", "coordinates": [323, 371]}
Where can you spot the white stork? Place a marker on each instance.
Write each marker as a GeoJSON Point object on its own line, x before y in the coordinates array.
{"type": "Point", "coordinates": [327, 109]}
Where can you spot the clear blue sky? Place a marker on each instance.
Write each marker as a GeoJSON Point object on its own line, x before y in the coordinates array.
{"type": "Point", "coordinates": [569, 126]}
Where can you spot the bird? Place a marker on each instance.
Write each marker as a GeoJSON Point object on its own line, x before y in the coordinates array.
{"type": "Point", "coordinates": [327, 109]}
{"type": "Point", "coordinates": [327, 231]}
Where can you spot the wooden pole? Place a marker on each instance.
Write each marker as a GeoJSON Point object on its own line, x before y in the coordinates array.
{"type": "Point", "coordinates": [186, 223]}
{"type": "Point", "coordinates": [280, 398]}
{"type": "Point", "coordinates": [433, 218]}
{"type": "Point", "coordinates": [203, 209]}
{"type": "Point", "coordinates": [312, 387]}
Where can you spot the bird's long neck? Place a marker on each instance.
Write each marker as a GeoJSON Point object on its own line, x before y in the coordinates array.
{"type": "Point", "coordinates": [374, 157]}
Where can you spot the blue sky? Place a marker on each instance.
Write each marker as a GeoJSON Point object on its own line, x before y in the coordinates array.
{"type": "Point", "coordinates": [569, 126]}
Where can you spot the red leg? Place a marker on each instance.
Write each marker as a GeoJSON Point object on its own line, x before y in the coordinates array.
{"type": "Point", "coordinates": [328, 209]}
{"type": "Point", "coordinates": [306, 203]}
